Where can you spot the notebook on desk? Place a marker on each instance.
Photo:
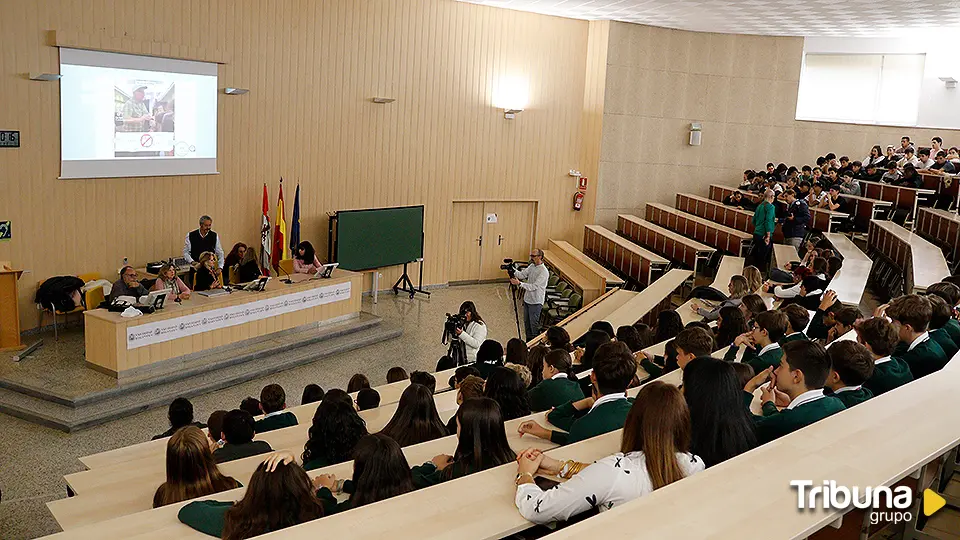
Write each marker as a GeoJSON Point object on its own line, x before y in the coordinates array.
{"type": "Point", "coordinates": [213, 292]}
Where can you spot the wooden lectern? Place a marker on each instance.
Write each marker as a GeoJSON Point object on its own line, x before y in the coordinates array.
{"type": "Point", "coordinates": [9, 308]}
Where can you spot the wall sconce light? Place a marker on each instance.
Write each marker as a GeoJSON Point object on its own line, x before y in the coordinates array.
{"type": "Point", "coordinates": [383, 100]}
{"type": "Point", "coordinates": [511, 94]}
{"type": "Point", "coordinates": [235, 91]}
{"type": "Point", "coordinates": [949, 82]}
{"type": "Point", "coordinates": [45, 76]}
{"type": "Point", "coordinates": [696, 130]}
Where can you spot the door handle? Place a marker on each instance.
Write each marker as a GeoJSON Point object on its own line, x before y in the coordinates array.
{"type": "Point", "coordinates": [499, 239]}
{"type": "Point", "coordinates": [480, 240]}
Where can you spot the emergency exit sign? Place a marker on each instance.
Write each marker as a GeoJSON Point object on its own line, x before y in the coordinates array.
{"type": "Point", "coordinates": [9, 139]}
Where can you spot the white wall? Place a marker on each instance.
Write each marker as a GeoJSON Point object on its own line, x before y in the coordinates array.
{"type": "Point", "coordinates": [939, 106]}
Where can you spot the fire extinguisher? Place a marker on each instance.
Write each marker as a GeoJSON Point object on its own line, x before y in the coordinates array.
{"type": "Point", "coordinates": [578, 201]}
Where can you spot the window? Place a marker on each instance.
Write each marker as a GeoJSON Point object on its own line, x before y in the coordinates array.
{"type": "Point", "coordinates": [861, 88]}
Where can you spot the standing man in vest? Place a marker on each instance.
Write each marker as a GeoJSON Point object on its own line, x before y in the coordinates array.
{"type": "Point", "coordinates": [533, 281]}
{"type": "Point", "coordinates": [200, 240]}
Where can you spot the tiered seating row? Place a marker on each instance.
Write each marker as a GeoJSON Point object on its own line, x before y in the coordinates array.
{"type": "Point", "coordinates": [628, 258]}
{"type": "Point", "coordinates": [942, 228]}
{"type": "Point", "coordinates": [921, 262]}
{"type": "Point", "coordinates": [821, 219]}
{"type": "Point", "coordinates": [721, 237]}
{"type": "Point", "coordinates": [673, 246]}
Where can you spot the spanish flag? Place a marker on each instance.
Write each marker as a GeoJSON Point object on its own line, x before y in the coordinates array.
{"type": "Point", "coordinates": [280, 250]}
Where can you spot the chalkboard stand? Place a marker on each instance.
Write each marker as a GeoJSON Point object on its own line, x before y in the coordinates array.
{"type": "Point", "coordinates": [404, 284]}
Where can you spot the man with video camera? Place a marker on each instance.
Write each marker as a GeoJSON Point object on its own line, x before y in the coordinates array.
{"type": "Point", "coordinates": [533, 280]}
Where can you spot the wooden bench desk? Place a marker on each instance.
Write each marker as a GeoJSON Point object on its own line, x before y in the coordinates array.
{"type": "Point", "coordinates": [864, 209]}
{"type": "Point", "coordinates": [942, 227]}
{"type": "Point", "coordinates": [851, 280]}
{"type": "Point", "coordinates": [784, 253]}
{"type": "Point", "coordinates": [590, 287]}
{"type": "Point", "coordinates": [719, 236]}
{"type": "Point", "coordinates": [109, 492]}
{"type": "Point", "coordinates": [670, 244]}
{"type": "Point", "coordinates": [389, 393]}
{"type": "Point", "coordinates": [921, 262]}
{"type": "Point", "coordinates": [648, 303]}
{"type": "Point", "coordinates": [578, 324]}
{"type": "Point", "coordinates": [936, 183]}
{"type": "Point", "coordinates": [638, 264]}
{"type": "Point", "coordinates": [568, 250]}
{"type": "Point", "coordinates": [906, 198]}
{"type": "Point", "coordinates": [729, 266]}
{"type": "Point", "coordinates": [877, 443]}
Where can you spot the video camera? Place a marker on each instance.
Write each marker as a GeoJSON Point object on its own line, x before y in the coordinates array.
{"type": "Point", "coordinates": [453, 322]}
{"type": "Point", "coordinates": [510, 267]}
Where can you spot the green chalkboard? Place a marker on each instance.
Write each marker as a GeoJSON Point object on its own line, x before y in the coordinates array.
{"type": "Point", "coordinates": [379, 237]}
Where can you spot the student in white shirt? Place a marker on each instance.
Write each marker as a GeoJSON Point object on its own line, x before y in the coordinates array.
{"type": "Point", "coordinates": [924, 162]}
{"type": "Point", "coordinates": [475, 332]}
{"type": "Point", "coordinates": [908, 157]}
{"type": "Point", "coordinates": [659, 415]}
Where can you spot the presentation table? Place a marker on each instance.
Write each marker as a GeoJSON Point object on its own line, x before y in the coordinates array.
{"type": "Point", "coordinates": [122, 346]}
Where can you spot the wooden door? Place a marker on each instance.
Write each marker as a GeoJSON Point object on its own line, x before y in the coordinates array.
{"type": "Point", "coordinates": [466, 231]}
{"type": "Point", "coordinates": [508, 233]}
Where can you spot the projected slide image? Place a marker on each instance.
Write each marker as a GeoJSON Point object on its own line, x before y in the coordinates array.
{"type": "Point", "coordinates": [125, 115]}
{"type": "Point", "coordinates": [145, 120]}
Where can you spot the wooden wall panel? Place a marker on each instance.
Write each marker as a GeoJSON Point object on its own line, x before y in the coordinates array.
{"type": "Point", "coordinates": [311, 67]}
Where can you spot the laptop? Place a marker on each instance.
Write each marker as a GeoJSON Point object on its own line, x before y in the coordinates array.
{"type": "Point", "coordinates": [156, 298]}
{"type": "Point", "coordinates": [326, 270]}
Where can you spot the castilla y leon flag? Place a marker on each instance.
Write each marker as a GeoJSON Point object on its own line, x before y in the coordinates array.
{"type": "Point", "coordinates": [279, 234]}
{"type": "Point", "coordinates": [265, 233]}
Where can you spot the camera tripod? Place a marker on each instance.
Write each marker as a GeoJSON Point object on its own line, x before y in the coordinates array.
{"type": "Point", "coordinates": [457, 351]}
{"type": "Point", "coordinates": [515, 292]}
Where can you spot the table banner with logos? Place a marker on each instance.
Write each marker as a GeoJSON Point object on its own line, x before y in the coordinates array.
{"type": "Point", "coordinates": [205, 321]}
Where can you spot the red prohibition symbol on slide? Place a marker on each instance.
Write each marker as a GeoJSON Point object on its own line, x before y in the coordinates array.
{"type": "Point", "coordinates": [146, 140]}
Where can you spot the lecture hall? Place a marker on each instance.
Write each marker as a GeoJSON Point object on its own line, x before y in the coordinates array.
{"type": "Point", "coordinates": [479, 269]}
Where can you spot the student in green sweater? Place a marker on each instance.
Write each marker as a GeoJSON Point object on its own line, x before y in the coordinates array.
{"type": "Point", "coordinates": [237, 434]}
{"type": "Point", "coordinates": [823, 320]}
{"type": "Point", "coordinates": [939, 316]}
{"type": "Point", "coordinates": [481, 445]}
{"type": "Point", "coordinates": [797, 386]}
{"type": "Point", "coordinates": [851, 366]}
{"type": "Point", "coordinates": [880, 339]}
{"type": "Point", "coordinates": [695, 341]}
{"type": "Point", "coordinates": [613, 369]}
{"type": "Point", "coordinates": [380, 471]}
{"type": "Point", "coordinates": [797, 320]}
{"type": "Point", "coordinates": [280, 495]}
{"type": "Point", "coordinates": [273, 401]}
{"type": "Point", "coordinates": [844, 320]}
{"type": "Point", "coordinates": [911, 314]}
{"type": "Point", "coordinates": [762, 342]}
{"type": "Point", "coordinates": [951, 294]}
{"type": "Point", "coordinates": [764, 222]}
{"type": "Point", "coordinates": [558, 386]}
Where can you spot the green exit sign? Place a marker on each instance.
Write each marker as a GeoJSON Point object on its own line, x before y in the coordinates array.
{"type": "Point", "coordinates": [9, 139]}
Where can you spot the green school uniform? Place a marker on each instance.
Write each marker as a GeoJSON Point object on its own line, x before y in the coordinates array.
{"type": "Point", "coordinates": [551, 393]}
{"type": "Point", "coordinates": [230, 452]}
{"type": "Point", "coordinates": [579, 425]}
{"type": "Point", "coordinates": [817, 329]}
{"type": "Point", "coordinates": [943, 339]}
{"type": "Point", "coordinates": [925, 358]}
{"type": "Point", "coordinates": [775, 424]}
{"type": "Point", "coordinates": [888, 374]}
{"type": "Point", "coordinates": [761, 361]}
{"type": "Point", "coordinates": [209, 517]}
{"type": "Point", "coordinates": [427, 475]}
{"type": "Point", "coordinates": [853, 397]}
{"type": "Point", "coordinates": [278, 421]}
{"type": "Point", "coordinates": [953, 328]}
{"type": "Point", "coordinates": [796, 336]}
{"type": "Point", "coordinates": [660, 365]}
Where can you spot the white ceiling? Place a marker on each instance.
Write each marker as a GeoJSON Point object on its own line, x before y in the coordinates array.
{"type": "Point", "coordinates": [769, 17]}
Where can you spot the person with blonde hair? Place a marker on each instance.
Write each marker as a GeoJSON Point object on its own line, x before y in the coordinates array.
{"type": "Point", "coordinates": [654, 451]}
{"type": "Point", "coordinates": [754, 279]}
{"type": "Point", "coordinates": [209, 274]}
{"type": "Point", "coordinates": [191, 469]}
{"type": "Point", "coordinates": [168, 279]}
{"type": "Point", "coordinates": [737, 287]}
